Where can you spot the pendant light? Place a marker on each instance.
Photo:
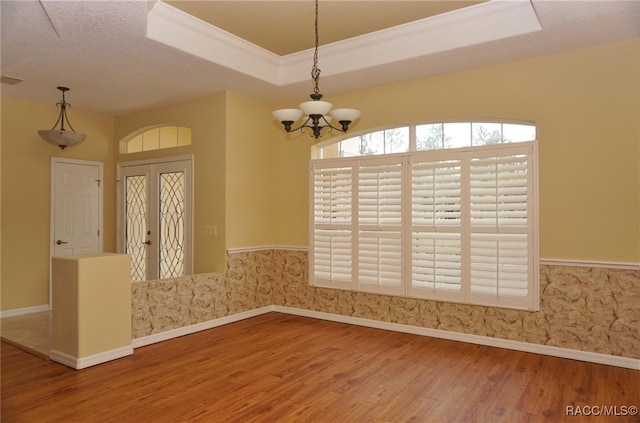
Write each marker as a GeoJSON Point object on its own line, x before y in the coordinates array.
{"type": "Point", "coordinates": [315, 111]}
{"type": "Point", "coordinates": [61, 137]}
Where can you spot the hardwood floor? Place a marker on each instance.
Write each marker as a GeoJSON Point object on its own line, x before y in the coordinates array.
{"type": "Point", "coordinates": [283, 368]}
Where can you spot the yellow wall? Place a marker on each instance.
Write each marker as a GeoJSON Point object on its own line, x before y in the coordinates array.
{"type": "Point", "coordinates": [251, 179]}
{"type": "Point", "coordinates": [26, 193]}
{"type": "Point", "coordinates": [206, 116]}
{"type": "Point", "coordinates": [249, 173]}
{"type": "Point", "coordinates": [586, 105]}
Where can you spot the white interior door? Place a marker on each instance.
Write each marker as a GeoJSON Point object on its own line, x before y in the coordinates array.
{"type": "Point", "coordinates": [76, 214]}
{"type": "Point", "coordinates": [154, 218]}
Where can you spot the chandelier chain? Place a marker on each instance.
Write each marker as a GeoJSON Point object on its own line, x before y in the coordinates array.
{"type": "Point", "coordinates": [315, 72]}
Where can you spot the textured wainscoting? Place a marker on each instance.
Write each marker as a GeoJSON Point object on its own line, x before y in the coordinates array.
{"type": "Point", "coordinates": [582, 308]}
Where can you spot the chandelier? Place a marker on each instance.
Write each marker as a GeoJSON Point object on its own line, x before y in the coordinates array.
{"type": "Point", "coordinates": [315, 111]}
{"type": "Point", "coordinates": [61, 137]}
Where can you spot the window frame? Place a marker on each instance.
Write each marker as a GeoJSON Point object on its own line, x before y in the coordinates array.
{"type": "Point", "coordinates": [407, 286]}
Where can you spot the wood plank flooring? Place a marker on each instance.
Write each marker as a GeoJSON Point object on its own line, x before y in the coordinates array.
{"type": "Point", "coordinates": [283, 368]}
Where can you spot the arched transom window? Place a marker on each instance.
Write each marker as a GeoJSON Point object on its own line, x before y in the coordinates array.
{"type": "Point", "coordinates": [429, 136]}
{"type": "Point", "coordinates": [155, 138]}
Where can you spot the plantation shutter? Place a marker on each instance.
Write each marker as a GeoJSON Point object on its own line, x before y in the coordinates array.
{"type": "Point", "coordinates": [380, 220]}
{"type": "Point", "coordinates": [332, 225]}
{"type": "Point", "coordinates": [436, 227]}
{"type": "Point", "coordinates": [456, 225]}
{"type": "Point", "coordinates": [501, 211]}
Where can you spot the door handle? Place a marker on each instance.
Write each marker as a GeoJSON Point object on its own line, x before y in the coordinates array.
{"type": "Point", "coordinates": [147, 243]}
{"type": "Point", "coordinates": [59, 242]}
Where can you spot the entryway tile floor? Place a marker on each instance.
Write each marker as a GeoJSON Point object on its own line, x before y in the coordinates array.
{"type": "Point", "coordinates": [30, 332]}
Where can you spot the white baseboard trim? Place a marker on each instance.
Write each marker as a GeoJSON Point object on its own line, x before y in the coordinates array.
{"type": "Point", "coordinates": [611, 360]}
{"type": "Point", "coordinates": [92, 360]}
{"type": "Point", "coordinates": [186, 330]}
{"type": "Point", "coordinates": [26, 310]}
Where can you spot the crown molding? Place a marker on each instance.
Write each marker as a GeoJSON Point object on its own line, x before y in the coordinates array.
{"type": "Point", "coordinates": [175, 28]}
{"type": "Point", "coordinates": [481, 23]}
{"type": "Point", "coordinates": [474, 25]}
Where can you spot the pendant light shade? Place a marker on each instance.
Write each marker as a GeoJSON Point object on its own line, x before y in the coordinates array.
{"type": "Point", "coordinates": [62, 137]}
{"type": "Point", "coordinates": [315, 107]}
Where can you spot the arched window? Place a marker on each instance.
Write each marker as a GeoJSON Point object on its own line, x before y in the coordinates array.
{"type": "Point", "coordinates": [429, 136]}
{"type": "Point", "coordinates": [440, 211]}
{"type": "Point", "coordinates": [155, 138]}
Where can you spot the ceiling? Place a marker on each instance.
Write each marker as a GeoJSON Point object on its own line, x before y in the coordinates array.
{"type": "Point", "coordinates": [122, 56]}
{"type": "Point", "coordinates": [338, 20]}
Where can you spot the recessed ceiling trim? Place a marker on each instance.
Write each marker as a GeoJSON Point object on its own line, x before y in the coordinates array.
{"type": "Point", "coordinates": [177, 29]}
{"type": "Point", "coordinates": [481, 23]}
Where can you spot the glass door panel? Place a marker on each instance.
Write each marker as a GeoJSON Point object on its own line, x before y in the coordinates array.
{"type": "Point", "coordinates": [136, 223]}
{"type": "Point", "coordinates": [172, 224]}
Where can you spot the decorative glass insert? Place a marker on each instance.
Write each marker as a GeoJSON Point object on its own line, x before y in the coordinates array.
{"type": "Point", "coordinates": [136, 225]}
{"type": "Point", "coordinates": [172, 224]}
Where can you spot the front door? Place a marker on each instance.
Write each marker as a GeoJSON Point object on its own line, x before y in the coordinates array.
{"type": "Point", "coordinates": [155, 218]}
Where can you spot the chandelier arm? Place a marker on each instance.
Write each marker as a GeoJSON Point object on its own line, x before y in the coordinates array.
{"type": "Point", "coordinates": [304, 125]}
{"type": "Point", "coordinates": [64, 111]}
{"type": "Point", "coordinates": [59, 119]}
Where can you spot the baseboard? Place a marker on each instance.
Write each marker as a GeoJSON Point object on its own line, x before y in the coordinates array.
{"type": "Point", "coordinates": [186, 330]}
{"type": "Point", "coordinates": [611, 360]}
{"type": "Point", "coordinates": [26, 310]}
{"type": "Point", "coordinates": [92, 360]}
{"type": "Point", "coordinates": [591, 357]}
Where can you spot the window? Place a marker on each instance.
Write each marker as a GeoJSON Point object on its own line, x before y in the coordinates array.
{"type": "Point", "coordinates": [156, 138]}
{"type": "Point", "coordinates": [432, 136]}
{"type": "Point", "coordinates": [448, 223]}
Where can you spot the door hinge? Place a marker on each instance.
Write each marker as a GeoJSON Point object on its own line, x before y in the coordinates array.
{"type": "Point", "coordinates": [98, 232]}
{"type": "Point", "coordinates": [98, 181]}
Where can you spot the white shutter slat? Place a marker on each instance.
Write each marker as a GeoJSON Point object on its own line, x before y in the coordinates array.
{"type": "Point", "coordinates": [380, 205]}
{"type": "Point", "coordinates": [435, 192]}
{"type": "Point", "coordinates": [332, 255]}
{"type": "Point", "coordinates": [332, 194]}
{"type": "Point", "coordinates": [332, 219]}
{"type": "Point", "coordinates": [380, 258]}
{"type": "Point", "coordinates": [500, 264]}
{"type": "Point", "coordinates": [499, 190]}
{"type": "Point", "coordinates": [436, 255]}
{"type": "Point", "coordinates": [436, 261]}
